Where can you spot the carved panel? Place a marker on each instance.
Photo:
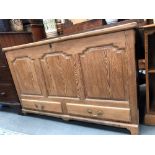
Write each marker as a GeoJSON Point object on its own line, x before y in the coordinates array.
{"type": "Point", "coordinates": [103, 71]}
{"type": "Point", "coordinates": [26, 76]}
{"type": "Point", "coordinates": [59, 74]}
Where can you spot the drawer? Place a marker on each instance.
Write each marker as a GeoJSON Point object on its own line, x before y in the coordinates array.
{"type": "Point", "coordinates": [8, 93]}
{"type": "Point", "coordinates": [46, 106]}
{"type": "Point", "coordinates": [99, 112]}
{"type": "Point", "coordinates": [5, 75]}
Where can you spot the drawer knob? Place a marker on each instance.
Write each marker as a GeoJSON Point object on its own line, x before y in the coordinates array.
{"type": "Point", "coordinates": [100, 113]}
{"type": "Point", "coordinates": [3, 93]}
{"type": "Point", "coordinates": [89, 111]}
{"type": "Point", "coordinates": [36, 105]}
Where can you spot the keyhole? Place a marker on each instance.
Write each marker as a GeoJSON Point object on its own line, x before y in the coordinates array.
{"type": "Point", "coordinates": [50, 45]}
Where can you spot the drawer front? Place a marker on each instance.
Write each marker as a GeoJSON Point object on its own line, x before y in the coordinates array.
{"type": "Point", "coordinates": [46, 106]}
{"type": "Point", "coordinates": [8, 93]}
{"type": "Point", "coordinates": [5, 75]}
{"type": "Point", "coordinates": [99, 112]}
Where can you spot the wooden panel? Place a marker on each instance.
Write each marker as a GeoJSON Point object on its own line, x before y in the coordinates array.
{"type": "Point", "coordinates": [149, 119]}
{"type": "Point", "coordinates": [5, 76]}
{"type": "Point", "coordinates": [8, 93]}
{"type": "Point", "coordinates": [99, 112]}
{"type": "Point", "coordinates": [42, 105]}
{"type": "Point", "coordinates": [82, 44]}
{"type": "Point", "coordinates": [149, 40]}
{"type": "Point", "coordinates": [38, 32]}
{"type": "Point", "coordinates": [103, 72]}
{"type": "Point", "coordinates": [15, 38]}
{"type": "Point", "coordinates": [26, 76]}
{"type": "Point", "coordinates": [131, 77]}
{"type": "Point", "coordinates": [82, 26]}
{"type": "Point", "coordinates": [59, 73]}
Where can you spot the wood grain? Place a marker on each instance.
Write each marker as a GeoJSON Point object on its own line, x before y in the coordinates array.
{"type": "Point", "coordinates": [99, 112]}
{"type": "Point", "coordinates": [42, 106]}
{"type": "Point", "coordinates": [133, 128]}
{"type": "Point", "coordinates": [28, 82]}
{"type": "Point", "coordinates": [59, 73]}
{"type": "Point", "coordinates": [87, 74]}
{"type": "Point", "coordinates": [149, 38]}
{"type": "Point", "coordinates": [102, 31]}
{"type": "Point", "coordinates": [132, 74]}
{"type": "Point", "coordinates": [107, 79]}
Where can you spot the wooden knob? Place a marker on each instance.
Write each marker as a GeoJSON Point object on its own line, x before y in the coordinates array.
{"type": "Point", "coordinates": [100, 113]}
{"type": "Point", "coordinates": [36, 105]}
{"type": "Point", "coordinates": [89, 111]}
{"type": "Point", "coordinates": [95, 115]}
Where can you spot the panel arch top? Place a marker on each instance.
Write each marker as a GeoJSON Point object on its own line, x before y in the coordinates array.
{"type": "Point", "coordinates": [58, 69]}
{"type": "Point", "coordinates": [112, 47]}
{"type": "Point", "coordinates": [55, 53]}
{"type": "Point", "coordinates": [27, 81]}
{"type": "Point", "coordinates": [103, 70]}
